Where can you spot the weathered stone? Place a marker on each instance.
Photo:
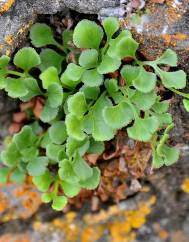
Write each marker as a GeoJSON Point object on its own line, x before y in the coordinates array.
{"type": "Point", "coordinates": [15, 22]}
{"type": "Point", "coordinates": [162, 26]}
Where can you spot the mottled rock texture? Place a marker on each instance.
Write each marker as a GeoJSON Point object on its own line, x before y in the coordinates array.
{"type": "Point", "coordinates": [17, 16]}
{"type": "Point", "coordinates": [157, 26]}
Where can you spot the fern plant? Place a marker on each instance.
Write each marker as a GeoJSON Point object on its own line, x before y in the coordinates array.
{"type": "Point", "coordinates": [84, 106]}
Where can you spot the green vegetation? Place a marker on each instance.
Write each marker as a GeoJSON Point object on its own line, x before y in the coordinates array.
{"type": "Point", "coordinates": [84, 106]}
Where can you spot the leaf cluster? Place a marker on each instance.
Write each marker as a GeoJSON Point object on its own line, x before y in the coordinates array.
{"type": "Point", "coordinates": [84, 106]}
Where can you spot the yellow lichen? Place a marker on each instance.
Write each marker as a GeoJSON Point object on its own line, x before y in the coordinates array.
{"type": "Point", "coordinates": [8, 52]}
{"type": "Point", "coordinates": [185, 185]}
{"type": "Point", "coordinates": [9, 39]}
{"type": "Point", "coordinates": [163, 234]}
{"type": "Point", "coordinates": [172, 40]}
{"type": "Point", "coordinates": [119, 224]}
{"type": "Point", "coordinates": [6, 6]}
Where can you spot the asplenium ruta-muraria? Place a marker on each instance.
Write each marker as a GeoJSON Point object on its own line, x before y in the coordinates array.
{"type": "Point", "coordinates": [84, 106]}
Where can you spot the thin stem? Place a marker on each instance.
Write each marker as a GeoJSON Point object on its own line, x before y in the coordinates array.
{"type": "Point", "coordinates": [16, 73]}
{"type": "Point", "coordinates": [59, 46]}
{"type": "Point", "coordinates": [186, 95]}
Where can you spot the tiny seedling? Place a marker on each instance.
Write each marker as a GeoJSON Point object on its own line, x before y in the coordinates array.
{"type": "Point", "coordinates": [84, 106]}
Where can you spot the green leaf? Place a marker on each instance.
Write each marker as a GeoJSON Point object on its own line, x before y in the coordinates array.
{"type": "Point", "coordinates": [108, 65]}
{"type": "Point", "coordinates": [161, 107]}
{"type": "Point", "coordinates": [176, 79]}
{"type": "Point", "coordinates": [41, 35]}
{"type": "Point", "coordinates": [144, 101]}
{"type": "Point", "coordinates": [33, 89]}
{"type": "Point", "coordinates": [118, 116]}
{"type": "Point", "coordinates": [29, 153]}
{"type": "Point", "coordinates": [4, 172]}
{"type": "Point", "coordinates": [48, 114]}
{"type": "Point", "coordinates": [11, 156]}
{"type": "Point", "coordinates": [55, 95]}
{"type": "Point", "coordinates": [46, 197]}
{"type": "Point", "coordinates": [45, 140]}
{"type": "Point", "coordinates": [117, 97]}
{"type": "Point", "coordinates": [186, 104]}
{"type": "Point", "coordinates": [54, 152]}
{"type": "Point", "coordinates": [4, 61]}
{"type": "Point", "coordinates": [111, 86]}
{"type": "Point", "coordinates": [74, 127]}
{"type": "Point", "coordinates": [3, 81]}
{"type": "Point", "coordinates": [73, 146]}
{"type": "Point", "coordinates": [66, 172]}
{"type": "Point", "coordinates": [17, 176]}
{"type": "Point", "coordinates": [111, 25]}
{"type": "Point", "coordinates": [100, 130]}
{"type": "Point", "coordinates": [96, 147]}
{"type": "Point", "coordinates": [157, 161]}
{"type": "Point", "coordinates": [27, 58]}
{"type": "Point", "coordinates": [88, 123]}
{"type": "Point", "coordinates": [74, 72]}
{"type": "Point", "coordinates": [164, 118]}
{"type": "Point", "coordinates": [126, 47]}
{"type": "Point", "coordinates": [169, 57]}
{"type": "Point", "coordinates": [130, 73]}
{"type": "Point", "coordinates": [92, 78]}
{"type": "Point", "coordinates": [37, 166]}
{"type": "Point", "coordinates": [145, 81]}
{"type": "Point", "coordinates": [70, 189]}
{"type": "Point", "coordinates": [49, 77]}
{"type": "Point", "coordinates": [92, 182]}
{"type": "Point", "coordinates": [50, 58]}
{"type": "Point", "coordinates": [81, 168]}
{"type": "Point", "coordinates": [25, 138]}
{"type": "Point", "coordinates": [87, 34]}
{"type": "Point", "coordinates": [143, 129]}
{"type": "Point", "coordinates": [36, 127]}
{"type": "Point", "coordinates": [112, 50]}
{"type": "Point", "coordinates": [43, 182]}
{"type": "Point", "coordinates": [67, 82]}
{"type": "Point", "coordinates": [171, 155]}
{"type": "Point", "coordinates": [90, 92]}
{"type": "Point", "coordinates": [165, 156]}
{"type": "Point", "coordinates": [16, 87]}
{"type": "Point", "coordinates": [59, 202]}
{"type": "Point", "coordinates": [67, 36]}
{"type": "Point", "coordinates": [57, 132]}
{"type": "Point", "coordinates": [88, 58]}
{"type": "Point", "coordinates": [75, 101]}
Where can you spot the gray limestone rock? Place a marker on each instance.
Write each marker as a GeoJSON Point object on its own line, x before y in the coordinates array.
{"type": "Point", "coordinates": [17, 16]}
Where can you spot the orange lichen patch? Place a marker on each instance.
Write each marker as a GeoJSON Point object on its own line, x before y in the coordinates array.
{"type": "Point", "coordinates": [185, 185]}
{"type": "Point", "coordinates": [6, 6]}
{"type": "Point", "coordinates": [91, 234]}
{"type": "Point", "coordinates": [15, 238]}
{"type": "Point", "coordinates": [18, 201]}
{"type": "Point", "coordinates": [163, 234]}
{"type": "Point", "coordinates": [118, 224]}
{"type": "Point", "coordinates": [172, 40]}
{"type": "Point", "coordinates": [9, 39]}
{"type": "Point", "coordinates": [4, 204]}
{"type": "Point", "coordinates": [145, 189]}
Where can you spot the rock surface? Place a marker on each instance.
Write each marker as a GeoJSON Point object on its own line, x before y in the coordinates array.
{"type": "Point", "coordinates": [17, 16]}
{"type": "Point", "coordinates": [161, 24]}
{"type": "Point", "coordinates": [157, 26]}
